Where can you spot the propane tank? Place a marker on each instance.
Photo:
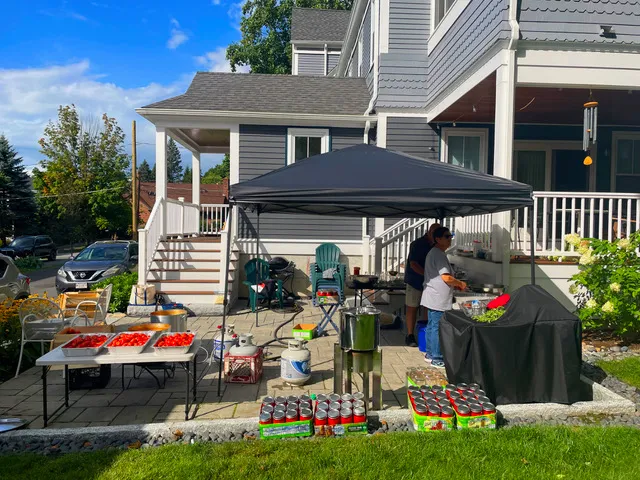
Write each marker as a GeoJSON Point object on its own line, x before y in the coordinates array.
{"type": "Point", "coordinates": [295, 363]}
{"type": "Point", "coordinates": [230, 339]}
{"type": "Point", "coordinates": [245, 346]}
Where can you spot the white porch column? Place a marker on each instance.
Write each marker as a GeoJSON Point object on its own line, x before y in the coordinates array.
{"type": "Point", "coordinates": [381, 141]}
{"type": "Point", "coordinates": [234, 170]}
{"type": "Point", "coordinates": [195, 178]}
{"type": "Point", "coordinates": [503, 155]}
{"type": "Point", "coordinates": [161, 174]}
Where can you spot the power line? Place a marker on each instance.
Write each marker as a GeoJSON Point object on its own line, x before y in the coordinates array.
{"type": "Point", "coordinates": [66, 194]}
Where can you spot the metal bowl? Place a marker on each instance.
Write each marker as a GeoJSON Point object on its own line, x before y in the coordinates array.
{"type": "Point", "coordinates": [488, 288]}
{"type": "Point", "coordinates": [365, 279]}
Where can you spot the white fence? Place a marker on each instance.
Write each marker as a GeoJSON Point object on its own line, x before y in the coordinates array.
{"type": "Point", "coordinates": [148, 239]}
{"type": "Point", "coordinates": [605, 216]}
{"type": "Point", "coordinates": [212, 218]}
{"type": "Point", "coordinates": [182, 218]}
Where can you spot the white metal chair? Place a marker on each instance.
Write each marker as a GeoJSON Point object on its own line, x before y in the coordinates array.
{"type": "Point", "coordinates": [41, 319]}
{"type": "Point", "coordinates": [101, 305]}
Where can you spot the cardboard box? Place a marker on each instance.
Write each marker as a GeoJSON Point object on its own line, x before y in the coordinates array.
{"type": "Point", "coordinates": [71, 300]}
{"type": "Point", "coordinates": [341, 430]}
{"type": "Point", "coordinates": [483, 421]}
{"type": "Point", "coordinates": [425, 423]}
{"type": "Point", "coordinates": [305, 331]}
{"type": "Point", "coordinates": [419, 376]}
{"type": "Point", "coordinates": [301, 428]}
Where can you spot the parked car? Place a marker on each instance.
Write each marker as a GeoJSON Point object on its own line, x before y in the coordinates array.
{"type": "Point", "coordinates": [13, 284]}
{"type": "Point", "coordinates": [31, 245]}
{"type": "Point", "coordinates": [98, 261]}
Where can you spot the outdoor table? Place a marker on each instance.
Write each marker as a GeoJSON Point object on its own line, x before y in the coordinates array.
{"type": "Point", "coordinates": [359, 289]}
{"type": "Point", "coordinates": [56, 357]}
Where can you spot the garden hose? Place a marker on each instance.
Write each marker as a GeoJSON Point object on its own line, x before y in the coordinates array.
{"type": "Point", "coordinates": [297, 310]}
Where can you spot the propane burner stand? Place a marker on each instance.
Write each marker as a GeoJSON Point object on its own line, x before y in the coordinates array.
{"type": "Point", "coordinates": [347, 362]}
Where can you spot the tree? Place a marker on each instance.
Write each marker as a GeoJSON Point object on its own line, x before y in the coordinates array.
{"type": "Point", "coordinates": [144, 172]}
{"type": "Point", "coordinates": [153, 174]}
{"type": "Point", "coordinates": [187, 176]}
{"type": "Point", "coordinates": [216, 174]}
{"type": "Point", "coordinates": [17, 206]}
{"type": "Point", "coordinates": [266, 33]}
{"type": "Point", "coordinates": [84, 176]}
{"type": "Point", "coordinates": [174, 162]}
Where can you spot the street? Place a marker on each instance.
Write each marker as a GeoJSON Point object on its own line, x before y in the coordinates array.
{"type": "Point", "coordinates": [45, 280]}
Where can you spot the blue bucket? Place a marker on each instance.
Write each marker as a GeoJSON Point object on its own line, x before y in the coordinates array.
{"type": "Point", "coordinates": [173, 306]}
{"type": "Point", "coordinates": [421, 336]}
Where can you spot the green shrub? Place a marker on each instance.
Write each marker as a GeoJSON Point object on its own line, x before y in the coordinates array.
{"type": "Point", "coordinates": [122, 285]}
{"type": "Point", "coordinates": [26, 264]}
{"type": "Point", "coordinates": [607, 287]}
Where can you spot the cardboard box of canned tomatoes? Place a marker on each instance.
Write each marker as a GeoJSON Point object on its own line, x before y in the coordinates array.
{"type": "Point", "coordinates": [285, 417]}
{"type": "Point", "coordinates": [340, 415]}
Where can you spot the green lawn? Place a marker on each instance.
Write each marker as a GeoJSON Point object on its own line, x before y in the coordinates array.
{"type": "Point", "coordinates": [627, 370]}
{"type": "Point", "coordinates": [531, 453]}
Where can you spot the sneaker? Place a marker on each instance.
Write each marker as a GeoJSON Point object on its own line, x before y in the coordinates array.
{"type": "Point", "coordinates": [427, 359]}
{"type": "Point", "coordinates": [437, 363]}
{"type": "Point", "coordinates": [410, 341]}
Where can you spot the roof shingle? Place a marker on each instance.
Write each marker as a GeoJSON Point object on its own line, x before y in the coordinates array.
{"type": "Point", "coordinates": [252, 92]}
{"type": "Point", "coordinates": [313, 25]}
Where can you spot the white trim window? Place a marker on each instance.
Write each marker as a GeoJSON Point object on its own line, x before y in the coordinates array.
{"type": "Point", "coordinates": [306, 142]}
{"type": "Point", "coordinates": [444, 15]}
{"type": "Point", "coordinates": [440, 9]}
{"type": "Point", "coordinates": [625, 165]}
{"type": "Point", "coordinates": [465, 147]}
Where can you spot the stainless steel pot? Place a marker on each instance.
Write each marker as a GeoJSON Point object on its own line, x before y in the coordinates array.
{"type": "Point", "coordinates": [360, 329]}
{"type": "Point", "coordinates": [176, 318]}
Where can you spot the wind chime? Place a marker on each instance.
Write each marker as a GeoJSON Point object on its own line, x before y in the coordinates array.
{"type": "Point", "coordinates": [590, 128]}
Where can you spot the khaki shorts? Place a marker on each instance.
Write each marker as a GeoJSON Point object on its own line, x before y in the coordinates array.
{"type": "Point", "coordinates": [412, 296]}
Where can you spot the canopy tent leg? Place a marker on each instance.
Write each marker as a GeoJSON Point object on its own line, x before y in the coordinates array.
{"type": "Point", "coordinates": [533, 249]}
{"type": "Point", "coordinates": [258, 257]}
{"type": "Point", "coordinates": [225, 294]}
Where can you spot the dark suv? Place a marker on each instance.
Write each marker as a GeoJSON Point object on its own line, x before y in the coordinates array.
{"type": "Point", "coordinates": [32, 245]}
{"type": "Point", "coordinates": [98, 261]}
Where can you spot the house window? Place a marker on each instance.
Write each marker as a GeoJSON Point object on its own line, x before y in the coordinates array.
{"type": "Point", "coordinates": [306, 142]}
{"type": "Point", "coordinates": [626, 162]}
{"type": "Point", "coordinates": [440, 8]}
{"type": "Point", "coordinates": [465, 147]}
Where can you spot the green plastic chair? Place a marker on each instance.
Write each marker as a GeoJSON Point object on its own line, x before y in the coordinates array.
{"type": "Point", "coordinates": [257, 272]}
{"type": "Point", "coordinates": [328, 256]}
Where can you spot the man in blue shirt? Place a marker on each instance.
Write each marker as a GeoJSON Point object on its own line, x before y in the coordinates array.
{"type": "Point", "coordinates": [414, 278]}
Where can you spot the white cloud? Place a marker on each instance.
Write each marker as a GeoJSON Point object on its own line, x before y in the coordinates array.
{"type": "Point", "coordinates": [235, 14]}
{"type": "Point", "coordinates": [216, 61]}
{"type": "Point", "coordinates": [178, 36]}
{"type": "Point", "coordinates": [30, 97]}
{"type": "Point", "coordinates": [215, 2]}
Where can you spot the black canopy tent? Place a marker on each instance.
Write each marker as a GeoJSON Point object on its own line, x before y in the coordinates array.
{"type": "Point", "coordinates": [369, 181]}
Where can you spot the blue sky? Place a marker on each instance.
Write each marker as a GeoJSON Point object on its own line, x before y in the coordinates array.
{"type": "Point", "coordinates": [105, 56]}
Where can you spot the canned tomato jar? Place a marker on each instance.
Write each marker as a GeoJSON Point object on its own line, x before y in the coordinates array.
{"type": "Point", "coordinates": [413, 388]}
{"type": "Point", "coordinates": [429, 395]}
{"type": "Point", "coordinates": [267, 409]}
{"type": "Point", "coordinates": [292, 416]}
{"type": "Point", "coordinates": [483, 399]}
{"type": "Point", "coordinates": [476, 409]}
{"type": "Point", "coordinates": [304, 398]}
{"type": "Point", "coordinates": [474, 387]}
{"type": "Point", "coordinates": [461, 387]}
{"type": "Point", "coordinates": [265, 419]}
{"type": "Point", "coordinates": [347, 404]}
{"type": "Point", "coordinates": [421, 410]}
{"type": "Point", "coordinates": [463, 410]}
{"type": "Point", "coordinates": [455, 395]}
{"type": "Point", "coordinates": [481, 392]}
{"type": "Point", "coordinates": [306, 414]}
{"type": "Point", "coordinates": [346, 416]}
{"type": "Point", "coordinates": [359, 404]}
{"type": "Point", "coordinates": [447, 412]}
{"type": "Point", "coordinates": [268, 401]}
{"type": "Point", "coordinates": [334, 397]}
{"type": "Point", "coordinates": [433, 401]}
{"type": "Point", "coordinates": [322, 407]}
{"type": "Point", "coordinates": [425, 388]}
{"type": "Point", "coordinates": [434, 411]}
{"type": "Point", "coordinates": [280, 406]}
{"type": "Point", "coordinates": [335, 406]}
{"type": "Point", "coordinates": [488, 408]}
{"type": "Point", "coordinates": [304, 404]}
{"type": "Point", "coordinates": [333, 417]}
{"type": "Point", "coordinates": [441, 396]}
{"type": "Point", "coordinates": [359, 415]}
{"type": "Point", "coordinates": [346, 397]}
{"type": "Point", "coordinates": [321, 418]}
{"type": "Point", "coordinates": [322, 398]}
{"type": "Point", "coordinates": [278, 416]}
{"type": "Point", "coordinates": [358, 396]}
{"type": "Point", "coordinates": [420, 401]}
{"type": "Point", "coordinates": [292, 399]}
{"type": "Point", "coordinates": [437, 388]}
{"type": "Point", "coordinates": [280, 399]}
{"type": "Point", "coordinates": [450, 387]}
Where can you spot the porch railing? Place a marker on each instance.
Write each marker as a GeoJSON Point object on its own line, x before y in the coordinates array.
{"type": "Point", "coordinates": [182, 217]}
{"type": "Point", "coordinates": [212, 218]}
{"type": "Point", "coordinates": [605, 216]}
{"type": "Point", "coordinates": [148, 239]}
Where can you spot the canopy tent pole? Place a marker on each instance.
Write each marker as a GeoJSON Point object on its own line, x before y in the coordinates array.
{"type": "Point", "coordinates": [258, 267]}
{"type": "Point", "coordinates": [533, 249]}
{"type": "Point", "coordinates": [225, 302]}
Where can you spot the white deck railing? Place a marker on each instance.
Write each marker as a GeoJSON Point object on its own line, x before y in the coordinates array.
{"type": "Point", "coordinates": [148, 239]}
{"type": "Point", "coordinates": [605, 216]}
{"type": "Point", "coordinates": [182, 218]}
{"type": "Point", "coordinates": [212, 218]}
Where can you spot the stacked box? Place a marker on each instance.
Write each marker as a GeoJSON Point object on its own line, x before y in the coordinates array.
{"type": "Point", "coordinates": [286, 430]}
{"type": "Point", "coordinates": [305, 331]}
{"type": "Point", "coordinates": [276, 423]}
{"type": "Point", "coordinates": [347, 402]}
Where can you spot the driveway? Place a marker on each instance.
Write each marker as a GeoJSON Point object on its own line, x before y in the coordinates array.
{"type": "Point", "coordinates": [45, 280]}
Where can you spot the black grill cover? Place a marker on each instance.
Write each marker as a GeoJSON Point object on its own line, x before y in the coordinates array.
{"type": "Point", "coordinates": [533, 353]}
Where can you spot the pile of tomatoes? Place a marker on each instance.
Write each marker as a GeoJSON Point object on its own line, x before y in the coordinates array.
{"type": "Point", "coordinates": [130, 340]}
{"type": "Point", "coordinates": [87, 341]}
{"type": "Point", "coordinates": [72, 331]}
{"type": "Point", "coordinates": [175, 340]}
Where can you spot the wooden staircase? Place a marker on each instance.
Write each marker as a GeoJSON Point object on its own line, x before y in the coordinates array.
{"type": "Point", "coordinates": [191, 271]}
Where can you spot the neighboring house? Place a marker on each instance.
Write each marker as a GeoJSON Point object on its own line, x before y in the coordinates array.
{"type": "Point", "coordinates": [209, 194]}
{"type": "Point", "coordinates": [491, 85]}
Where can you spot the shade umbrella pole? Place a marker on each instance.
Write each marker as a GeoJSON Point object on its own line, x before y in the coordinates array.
{"type": "Point", "coordinates": [225, 302]}
{"type": "Point", "coordinates": [258, 268]}
{"type": "Point", "coordinates": [533, 250]}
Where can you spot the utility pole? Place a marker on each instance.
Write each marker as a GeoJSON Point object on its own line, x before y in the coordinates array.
{"type": "Point", "coordinates": [134, 182]}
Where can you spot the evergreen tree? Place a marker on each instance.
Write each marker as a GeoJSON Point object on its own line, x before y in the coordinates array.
{"type": "Point", "coordinates": [174, 162]}
{"type": "Point", "coordinates": [17, 206]}
{"type": "Point", "coordinates": [217, 173]}
{"type": "Point", "coordinates": [145, 174]}
{"type": "Point", "coordinates": [187, 176]}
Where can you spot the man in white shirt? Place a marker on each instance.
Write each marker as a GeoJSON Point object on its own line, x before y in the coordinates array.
{"type": "Point", "coordinates": [437, 295]}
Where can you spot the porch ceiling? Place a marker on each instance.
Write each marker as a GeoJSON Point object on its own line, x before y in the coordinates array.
{"type": "Point", "coordinates": [204, 140]}
{"type": "Point", "coordinates": [545, 105]}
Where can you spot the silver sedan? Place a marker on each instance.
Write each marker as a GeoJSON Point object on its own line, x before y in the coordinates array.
{"type": "Point", "coordinates": [13, 284]}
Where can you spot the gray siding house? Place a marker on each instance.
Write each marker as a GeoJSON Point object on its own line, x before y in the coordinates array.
{"type": "Point", "coordinates": [490, 85]}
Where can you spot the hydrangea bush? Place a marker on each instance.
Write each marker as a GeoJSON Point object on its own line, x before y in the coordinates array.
{"type": "Point", "coordinates": [607, 287]}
